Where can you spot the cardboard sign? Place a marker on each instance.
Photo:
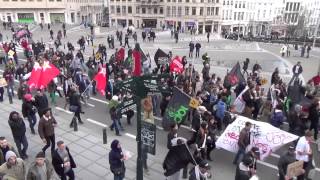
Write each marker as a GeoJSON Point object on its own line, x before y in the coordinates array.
{"type": "Point", "coordinates": [148, 137]}
{"type": "Point", "coordinates": [11, 53]}
{"type": "Point", "coordinates": [3, 82]}
{"type": "Point", "coordinates": [194, 103]}
{"type": "Point", "coordinates": [295, 169]}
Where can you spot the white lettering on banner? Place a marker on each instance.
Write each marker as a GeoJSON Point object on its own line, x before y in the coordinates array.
{"type": "Point", "coordinates": [263, 135]}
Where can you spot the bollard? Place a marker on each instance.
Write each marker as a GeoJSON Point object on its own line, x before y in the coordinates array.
{"type": "Point", "coordinates": [75, 124]}
{"type": "Point", "coordinates": [104, 135]}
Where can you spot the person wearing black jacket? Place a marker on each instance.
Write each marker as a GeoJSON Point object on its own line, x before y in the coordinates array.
{"type": "Point", "coordinates": [243, 169]}
{"type": "Point", "coordinates": [63, 162]}
{"type": "Point", "coordinates": [171, 135]}
{"type": "Point", "coordinates": [74, 100]}
{"type": "Point", "coordinates": [18, 129]}
{"type": "Point", "coordinates": [29, 112]}
{"type": "Point", "coordinates": [286, 159]}
{"type": "Point", "coordinates": [41, 102]}
{"type": "Point", "coordinates": [116, 161]}
{"type": "Point", "coordinates": [314, 118]}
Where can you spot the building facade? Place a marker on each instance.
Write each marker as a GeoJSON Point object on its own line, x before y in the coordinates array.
{"type": "Point", "coordinates": [203, 15]}
{"type": "Point", "coordinates": [51, 11]}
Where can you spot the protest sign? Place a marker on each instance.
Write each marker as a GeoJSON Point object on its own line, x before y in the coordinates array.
{"type": "Point", "coordinates": [263, 135]}
{"type": "Point", "coordinates": [295, 169]}
{"type": "Point", "coordinates": [3, 82]}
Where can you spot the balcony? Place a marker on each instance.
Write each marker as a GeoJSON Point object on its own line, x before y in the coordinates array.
{"type": "Point", "coordinates": [150, 2]}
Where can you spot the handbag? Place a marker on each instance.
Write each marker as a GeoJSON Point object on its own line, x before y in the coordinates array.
{"type": "Point", "coordinates": [119, 170]}
{"type": "Point", "coordinates": [73, 108]}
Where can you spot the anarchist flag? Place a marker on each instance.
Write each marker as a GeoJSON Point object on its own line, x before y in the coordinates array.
{"type": "Point", "coordinates": [177, 108]}
{"type": "Point", "coordinates": [161, 57]}
{"type": "Point", "coordinates": [177, 158]}
{"type": "Point", "coordinates": [234, 77]}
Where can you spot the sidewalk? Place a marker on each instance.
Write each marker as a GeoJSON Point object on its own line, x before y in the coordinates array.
{"type": "Point", "coordinates": [86, 147]}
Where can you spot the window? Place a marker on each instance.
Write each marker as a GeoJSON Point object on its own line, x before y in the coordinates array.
{"type": "Point", "coordinates": [168, 0]}
{"type": "Point", "coordinates": [155, 11]}
{"type": "Point", "coordinates": [179, 0]}
{"type": "Point", "coordinates": [112, 9]}
{"type": "Point", "coordinates": [298, 7]}
{"type": "Point", "coordinates": [143, 10]}
{"type": "Point", "coordinates": [287, 7]}
{"type": "Point", "coordinates": [244, 5]}
{"type": "Point", "coordinates": [129, 10]}
{"type": "Point", "coordinates": [179, 11]}
{"type": "Point", "coordinates": [209, 1]}
{"type": "Point", "coordinates": [201, 1]}
{"type": "Point", "coordinates": [118, 9]}
{"type": "Point", "coordinates": [173, 0]}
{"type": "Point", "coordinates": [264, 13]}
{"type": "Point", "coordinates": [217, 11]}
{"type": "Point", "coordinates": [231, 3]}
{"type": "Point", "coordinates": [186, 11]}
{"type": "Point", "coordinates": [224, 2]}
{"type": "Point", "coordinates": [228, 2]}
{"type": "Point", "coordinates": [240, 4]}
{"type": "Point", "coordinates": [194, 11]}
{"type": "Point", "coordinates": [137, 10]}
{"type": "Point", "coordinates": [168, 10]}
{"type": "Point", "coordinates": [201, 11]}
{"type": "Point", "coordinates": [239, 15]}
{"type": "Point", "coordinates": [174, 14]}
{"type": "Point", "coordinates": [236, 4]}
{"type": "Point", "coordinates": [161, 10]}
{"type": "Point", "coordinates": [149, 10]}
{"type": "Point", "coordinates": [234, 16]}
{"type": "Point", "coordinates": [290, 7]}
{"type": "Point", "coordinates": [187, 1]}
{"type": "Point", "coordinates": [208, 11]}
{"type": "Point", "coordinates": [258, 16]}
{"type": "Point", "coordinates": [217, 1]}
{"type": "Point", "coordinates": [124, 10]}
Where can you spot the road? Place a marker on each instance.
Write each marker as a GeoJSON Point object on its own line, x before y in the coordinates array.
{"type": "Point", "coordinates": [224, 54]}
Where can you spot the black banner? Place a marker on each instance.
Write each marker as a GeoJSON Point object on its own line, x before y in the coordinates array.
{"type": "Point", "coordinates": [125, 106]}
{"type": "Point", "coordinates": [177, 108]}
{"type": "Point", "coordinates": [161, 57]}
{"type": "Point", "coordinates": [148, 137]}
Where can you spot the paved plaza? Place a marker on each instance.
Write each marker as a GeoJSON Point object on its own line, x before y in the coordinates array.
{"type": "Point", "coordinates": [86, 145]}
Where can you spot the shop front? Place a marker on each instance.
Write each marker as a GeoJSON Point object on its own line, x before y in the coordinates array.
{"type": "Point", "coordinates": [150, 23]}
{"type": "Point", "coordinates": [25, 17]}
{"type": "Point", "coordinates": [57, 17]}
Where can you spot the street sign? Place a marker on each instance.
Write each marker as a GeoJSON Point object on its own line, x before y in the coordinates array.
{"type": "Point", "coordinates": [125, 106]}
{"type": "Point", "coordinates": [148, 137]}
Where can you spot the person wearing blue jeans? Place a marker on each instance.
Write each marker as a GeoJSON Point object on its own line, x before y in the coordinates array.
{"type": "Point", "coordinates": [243, 142]}
{"type": "Point", "coordinates": [115, 120]}
{"type": "Point", "coordinates": [32, 122]}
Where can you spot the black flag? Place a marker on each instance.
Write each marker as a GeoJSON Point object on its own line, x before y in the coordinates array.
{"type": "Point", "coordinates": [161, 57]}
{"type": "Point", "coordinates": [177, 108]}
{"type": "Point", "coordinates": [234, 77]}
{"type": "Point", "coordinates": [177, 158]}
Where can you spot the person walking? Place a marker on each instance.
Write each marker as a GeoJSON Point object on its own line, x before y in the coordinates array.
{"type": "Point", "coordinates": [4, 148]}
{"type": "Point", "coordinates": [243, 142]}
{"type": "Point", "coordinates": [243, 169]}
{"type": "Point", "coordinates": [116, 160]}
{"type": "Point", "coordinates": [14, 167]}
{"type": "Point", "coordinates": [115, 118]}
{"type": "Point", "coordinates": [18, 129]}
{"type": "Point", "coordinates": [41, 102]}
{"type": "Point", "coordinates": [176, 36]}
{"type": "Point", "coordinates": [287, 158]}
{"type": "Point", "coordinates": [75, 106]}
{"type": "Point", "coordinates": [46, 130]}
{"type": "Point", "coordinates": [126, 41]}
{"type": "Point", "coordinates": [303, 152]}
{"type": "Point", "coordinates": [296, 70]}
{"type": "Point", "coordinates": [40, 169]}
{"type": "Point", "coordinates": [198, 46]}
{"type": "Point", "coordinates": [63, 162]}
{"type": "Point", "coordinates": [208, 36]}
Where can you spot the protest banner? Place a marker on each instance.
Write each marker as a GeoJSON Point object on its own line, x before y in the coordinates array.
{"type": "Point", "coordinates": [263, 135]}
{"type": "Point", "coordinates": [295, 169]}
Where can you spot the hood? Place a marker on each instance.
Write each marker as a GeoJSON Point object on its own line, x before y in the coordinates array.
{"type": "Point", "coordinates": [11, 114]}
{"type": "Point", "coordinates": [114, 144]}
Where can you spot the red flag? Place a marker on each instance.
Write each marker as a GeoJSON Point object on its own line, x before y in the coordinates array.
{"type": "Point", "coordinates": [49, 71]}
{"type": "Point", "coordinates": [35, 76]}
{"type": "Point", "coordinates": [176, 65]}
{"type": "Point", "coordinates": [101, 79]}
{"type": "Point", "coordinates": [120, 54]}
{"type": "Point", "coordinates": [136, 63]}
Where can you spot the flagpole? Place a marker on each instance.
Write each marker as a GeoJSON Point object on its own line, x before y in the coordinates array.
{"type": "Point", "coordinates": [87, 87]}
{"type": "Point", "coordinates": [195, 162]}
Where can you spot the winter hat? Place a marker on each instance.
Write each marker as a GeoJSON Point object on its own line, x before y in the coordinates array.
{"type": "Point", "coordinates": [10, 154]}
{"type": "Point", "coordinates": [40, 155]}
{"type": "Point", "coordinates": [27, 97]}
{"type": "Point", "coordinates": [115, 98]}
{"type": "Point", "coordinates": [204, 164]}
{"type": "Point", "coordinates": [202, 108]}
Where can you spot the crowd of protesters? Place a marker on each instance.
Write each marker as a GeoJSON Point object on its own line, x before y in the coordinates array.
{"type": "Point", "coordinates": [76, 83]}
